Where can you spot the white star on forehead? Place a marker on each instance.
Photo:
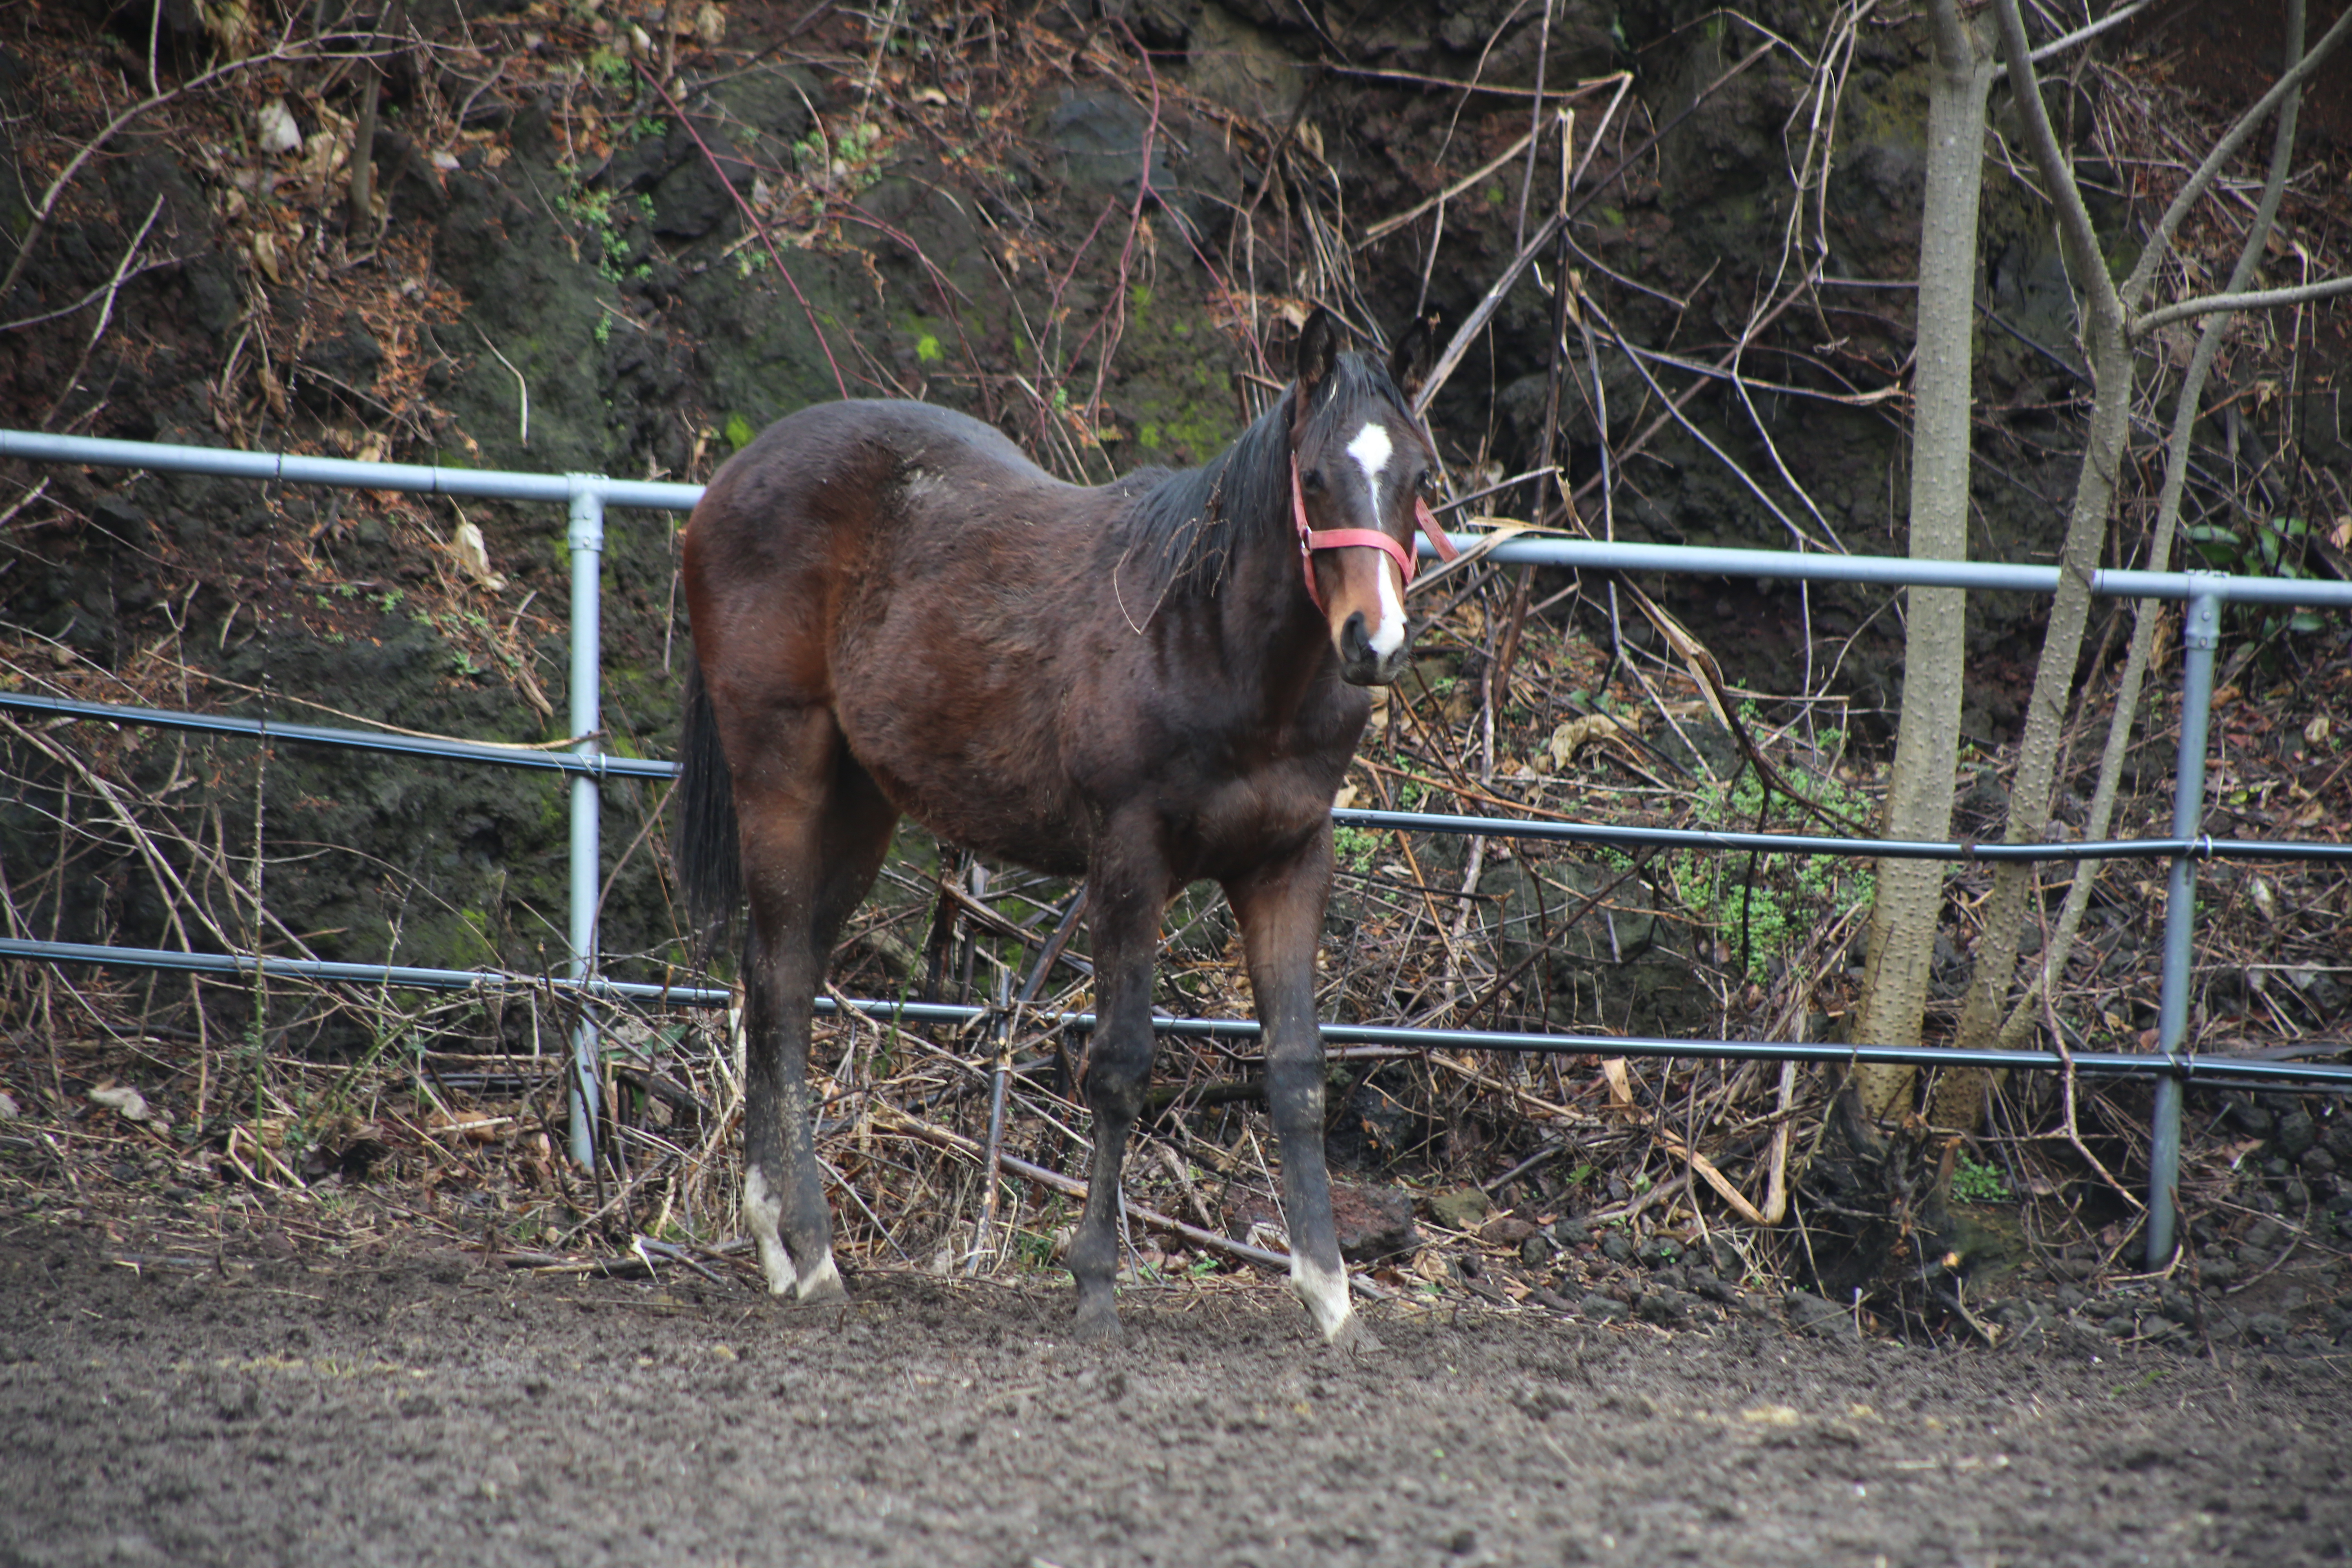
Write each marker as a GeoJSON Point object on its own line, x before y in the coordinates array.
{"type": "Point", "coordinates": [1370, 450]}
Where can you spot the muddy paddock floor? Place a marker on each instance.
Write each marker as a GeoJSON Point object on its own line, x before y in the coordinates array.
{"type": "Point", "coordinates": [427, 1408]}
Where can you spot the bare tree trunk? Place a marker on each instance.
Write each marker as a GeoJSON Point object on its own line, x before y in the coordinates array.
{"type": "Point", "coordinates": [1910, 893]}
{"type": "Point", "coordinates": [1958, 1100]}
{"type": "Point", "coordinates": [2023, 1014]}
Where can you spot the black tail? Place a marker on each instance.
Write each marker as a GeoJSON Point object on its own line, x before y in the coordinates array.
{"type": "Point", "coordinates": [706, 849]}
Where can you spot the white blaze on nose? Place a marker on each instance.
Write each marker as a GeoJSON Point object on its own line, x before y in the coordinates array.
{"type": "Point", "coordinates": [1390, 635]}
{"type": "Point", "coordinates": [1371, 450]}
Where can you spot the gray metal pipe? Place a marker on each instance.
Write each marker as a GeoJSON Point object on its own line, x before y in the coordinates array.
{"type": "Point", "coordinates": [274, 730]}
{"type": "Point", "coordinates": [337, 972]}
{"type": "Point", "coordinates": [1894, 571]}
{"type": "Point", "coordinates": [586, 538]}
{"type": "Point", "coordinates": [228, 463]}
{"type": "Point", "coordinates": [600, 764]}
{"type": "Point", "coordinates": [1616, 837]}
{"type": "Point", "coordinates": [1886, 571]}
{"type": "Point", "coordinates": [2200, 635]}
{"type": "Point", "coordinates": [2178, 1068]}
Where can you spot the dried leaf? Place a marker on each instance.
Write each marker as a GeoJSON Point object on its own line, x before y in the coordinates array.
{"type": "Point", "coordinates": [323, 152]}
{"type": "Point", "coordinates": [1573, 733]}
{"type": "Point", "coordinates": [473, 556]}
{"type": "Point", "coordinates": [264, 254]}
{"type": "Point", "coordinates": [274, 128]}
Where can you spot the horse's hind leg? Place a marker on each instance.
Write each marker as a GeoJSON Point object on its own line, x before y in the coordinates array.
{"type": "Point", "coordinates": [814, 830]}
{"type": "Point", "coordinates": [1280, 907]}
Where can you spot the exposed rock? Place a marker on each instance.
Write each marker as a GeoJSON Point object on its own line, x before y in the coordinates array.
{"type": "Point", "coordinates": [1465, 1209]}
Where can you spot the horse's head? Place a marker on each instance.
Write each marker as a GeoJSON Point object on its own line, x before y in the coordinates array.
{"type": "Point", "coordinates": [1358, 462]}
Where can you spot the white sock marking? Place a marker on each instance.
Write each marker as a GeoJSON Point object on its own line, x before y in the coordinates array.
{"type": "Point", "coordinates": [761, 1210]}
{"type": "Point", "coordinates": [1326, 1295]}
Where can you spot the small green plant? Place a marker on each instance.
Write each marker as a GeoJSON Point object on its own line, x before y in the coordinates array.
{"type": "Point", "coordinates": [1765, 903]}
{"type": "Point", "coordinates": [593, 210]}
{"type": "Point", "coordinates": [1354, 847]}
{"type": "Point", "coordinates": [1975, 1182]}
{"type": "Point", "coordinates": [2268, 547]}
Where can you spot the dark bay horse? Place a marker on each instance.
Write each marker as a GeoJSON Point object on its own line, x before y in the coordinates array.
{"type": "Point", "coordinates": [1146, 684]}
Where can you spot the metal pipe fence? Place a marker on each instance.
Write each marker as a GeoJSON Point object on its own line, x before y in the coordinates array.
{"type": "Point", "coordinates": [2207, 1072]}
{"type": "Point", "coordinates": [585, 496]}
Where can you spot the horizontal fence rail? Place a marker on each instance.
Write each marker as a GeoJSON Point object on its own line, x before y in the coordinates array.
{"type": "Point", "coordinates": [586, 495]}
{"type": "Point", "coordinates": [2204, 1069]}
{"type": "Point", "coordinates": [1609, 834]}
{"type": "Point", "coordinates": [600, 765]}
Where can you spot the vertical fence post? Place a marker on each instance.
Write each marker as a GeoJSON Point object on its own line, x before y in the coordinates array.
{"type": "Point", "coordinates": [586, 538]}
{"type": "Point", "coordinates": [2200, 634]}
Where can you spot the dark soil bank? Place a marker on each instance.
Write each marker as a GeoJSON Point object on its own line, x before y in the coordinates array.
{"type": "Point", "coordinates": [427, 1409]}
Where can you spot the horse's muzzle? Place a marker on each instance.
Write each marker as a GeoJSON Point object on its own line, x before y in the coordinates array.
{"type": "Point", "coordinates": [1362, 664]}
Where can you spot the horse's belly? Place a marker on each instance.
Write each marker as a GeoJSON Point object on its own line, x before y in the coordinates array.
{"type": "Point", "coordinates": [972, 766]}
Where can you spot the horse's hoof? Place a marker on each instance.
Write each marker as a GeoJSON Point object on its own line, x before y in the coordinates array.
{"type": "Point", "coordinates": [821, 1285]}
{"type": "Point", "coordinates": [1097, 1324]}
{"type": "Point", "coordinates": [1355, 1337]}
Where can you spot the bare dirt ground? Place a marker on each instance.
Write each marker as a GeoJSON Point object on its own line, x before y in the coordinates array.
{"type": "Point", "coordinates": [272, 1404]}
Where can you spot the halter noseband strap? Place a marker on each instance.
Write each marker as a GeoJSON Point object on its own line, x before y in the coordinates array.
{"type": "Point", "coordinates": [1311, 538]}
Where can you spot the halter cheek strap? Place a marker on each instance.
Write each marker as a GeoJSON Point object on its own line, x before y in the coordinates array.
{"type": "Point", "coordinates": [1311, 538]}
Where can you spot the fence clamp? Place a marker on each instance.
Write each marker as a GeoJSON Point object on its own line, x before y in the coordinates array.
{"type": "Point", "coordinates": [2201, 626]}
{"type": "Point", "coordinates": [587, 530]}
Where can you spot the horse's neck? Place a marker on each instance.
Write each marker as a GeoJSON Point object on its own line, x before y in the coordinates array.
{"type": "Point", "coordinates": [1271, 632]}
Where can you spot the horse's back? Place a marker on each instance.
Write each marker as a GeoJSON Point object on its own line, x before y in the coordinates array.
{"type": "Point", "coordinates": [844, 466]}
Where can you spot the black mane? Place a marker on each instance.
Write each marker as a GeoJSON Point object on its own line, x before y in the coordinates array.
{"type": "Point", "coordinates": [1177, 539]}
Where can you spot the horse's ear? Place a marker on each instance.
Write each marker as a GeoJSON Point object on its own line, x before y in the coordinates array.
{"type": "Point", "coordinates": [1416, 351]}
{"type": "Point", "coordinates": [1318, 352]}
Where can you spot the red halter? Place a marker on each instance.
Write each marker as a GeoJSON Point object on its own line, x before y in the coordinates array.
{"type": "Point", "coordinates": [1311, 540]}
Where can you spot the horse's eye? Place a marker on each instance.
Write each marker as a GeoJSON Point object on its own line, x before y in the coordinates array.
{"type": "Point", "coordinates": [1312, 479]}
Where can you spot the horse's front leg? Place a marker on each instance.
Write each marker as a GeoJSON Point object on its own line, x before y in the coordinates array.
{"type": "Point", "coordinates": [1123, 910]}
{"type": "Point", "coordinates": [1280, 907]}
